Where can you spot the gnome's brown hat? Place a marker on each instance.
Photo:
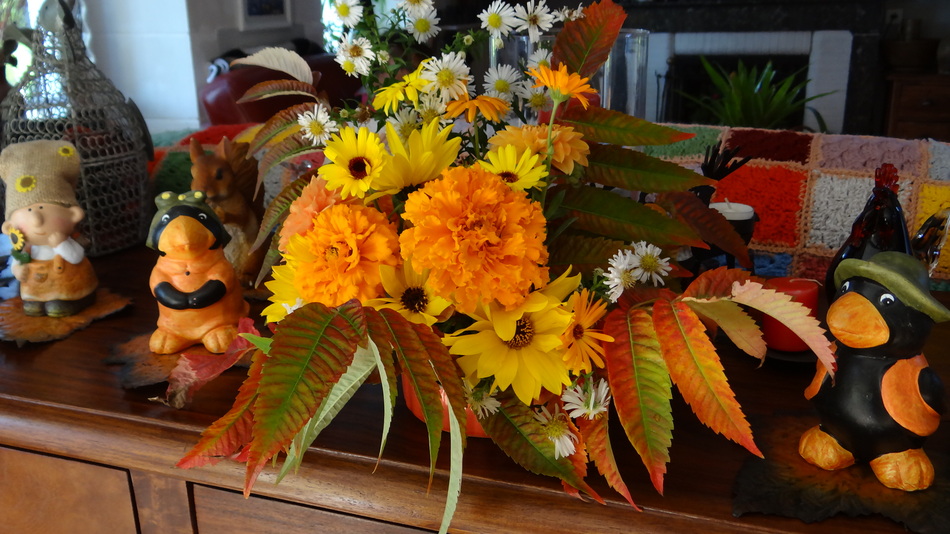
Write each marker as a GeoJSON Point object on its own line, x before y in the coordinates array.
{"type": "Point", "coordinates": [39, 172]}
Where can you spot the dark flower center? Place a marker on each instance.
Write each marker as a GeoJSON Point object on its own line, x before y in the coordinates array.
{"type": "Point", "coordinates": [414, 299]}
{"type": "Point", "coordinates": [509, 177]}
{"type": "Point", "coordinates": [578, 331]}
{"type": "Point", "coordinates": [357, 167]}
{"type": "Point", "coordinates": [524, 333]}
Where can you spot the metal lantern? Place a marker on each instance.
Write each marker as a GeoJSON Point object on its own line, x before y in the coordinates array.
{"type": "Point", "coordinates": [63, 95]}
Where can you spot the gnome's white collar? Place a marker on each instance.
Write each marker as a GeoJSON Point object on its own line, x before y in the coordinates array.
{"type": "Point", "coordinates": [70, 250]}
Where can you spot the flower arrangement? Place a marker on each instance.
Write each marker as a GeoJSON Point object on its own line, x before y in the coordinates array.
{"type": "Point", "coordinates": [450, 241]}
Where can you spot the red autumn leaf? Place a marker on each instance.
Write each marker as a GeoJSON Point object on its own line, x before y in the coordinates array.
{"type": "Point", "coordinates": [711, 226]}
{"type": "Point", "coordinates": [641, 388]}
{"type": "Point", "coordinates": [594, 432]}
{"type": "Point", "coordinates": [226, 437]}
{"type": "Point", "coordinates": [272, 88]}
{"type": "Point", "coordinates": [579, 460]}
{"type": "Point", "coordinates": [195, 369]}
{"type": "Point", "coordinates": [792, 314]}
{"type": "Point", "coordinates": [697, 372]}
{"type": "Point", "coordinates": [584, 44]}
{"type": "Point", "coordinates": [716, 283]}
{"type": "Point", "coordinates": [282, 122]}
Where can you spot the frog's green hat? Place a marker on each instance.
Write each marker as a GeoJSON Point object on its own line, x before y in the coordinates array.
{"type": "Point", "coordinates": [902, 274]}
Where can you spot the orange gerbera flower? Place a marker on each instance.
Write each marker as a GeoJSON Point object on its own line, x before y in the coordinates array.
{"type": "Point", "coordinates": [479, 239]}
{"type": "Point", "coordinates": [562, 85]}
{"type": "Point", "coordinates": [314, 198]}
{"type": "Point", "coordinates": [569, 146]}
{"type": "Point", "coordinates": [584, 343]}
{"type": "Point", "coordinates": [337, 260]}
{"type": "Point", "coordinates": [492, 108]}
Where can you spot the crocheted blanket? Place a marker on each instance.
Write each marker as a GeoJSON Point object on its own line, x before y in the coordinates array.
{"type": "Point", "coordinates": [807, 189]}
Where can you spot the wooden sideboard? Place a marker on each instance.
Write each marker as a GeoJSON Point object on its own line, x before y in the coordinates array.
{"type": "Point", "coordinates": [80, 454]}
{"type": "Point", "coordinates": [919, 106]}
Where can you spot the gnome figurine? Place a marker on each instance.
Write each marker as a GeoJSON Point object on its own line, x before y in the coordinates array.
{"type": "Point", "coordinates": [56, 279]}
{"type": "Point", "coordinates": [884, 399]}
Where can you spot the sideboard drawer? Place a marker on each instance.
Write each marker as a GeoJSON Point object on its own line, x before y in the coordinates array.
{"type": "Point", "coordinates": [228, 512]}
{"type": "Point", "coordinates": [929, 101]}
{"type": "Point", "coordinates": [919, 106]}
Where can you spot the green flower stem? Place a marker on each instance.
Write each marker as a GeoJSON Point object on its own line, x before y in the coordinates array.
{"type": "Point", "coordinates": [549, 156]}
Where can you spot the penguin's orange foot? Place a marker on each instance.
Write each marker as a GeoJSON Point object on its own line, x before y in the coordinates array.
{"type": "Point", "coordinates": [819, 448]}
{"type": "Point", "coordinates": [909, 470]}
{"type": "Point", "coordinates": [167, 342]}
{"type": "Point", "coordinates": [217, 340]}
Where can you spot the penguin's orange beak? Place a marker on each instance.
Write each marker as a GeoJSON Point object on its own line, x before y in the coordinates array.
{"type": "Point", "coordinates": [854, 321]}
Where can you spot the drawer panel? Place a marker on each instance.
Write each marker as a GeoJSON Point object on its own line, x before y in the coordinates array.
{"type": "Point", "coordinates": [925, 102]}
{"type": "Point", "coordinates": [921, 130]}
{"type": "Point", "coordinates": [220, 511]}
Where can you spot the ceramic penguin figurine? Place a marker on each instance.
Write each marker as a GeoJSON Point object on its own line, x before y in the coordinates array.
{"type": "Point", "coordinates": [199, 297]}
{"type": "Point", "coordinates": [884, 399]}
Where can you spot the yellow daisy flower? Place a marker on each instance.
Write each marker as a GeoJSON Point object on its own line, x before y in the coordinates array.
{"type": "Point", "coordinates": [337, 260]}
{"type": "Point", "coordinates": [425, 154]}
{"type": "Point", "coordinates": [520, 173]}
{"type": "Point", "coordinates": [584, 343]}
{"type": "Point", "coordinates": [492, 108]}
{"type": "Point", "coordinates": [410, 295]}
{"type": "Point", "coordinates": [562, 85]}
{"type": "Point", "coordinates": [358, 159]}
{"type": "Point", "coordinates": [528, 359]}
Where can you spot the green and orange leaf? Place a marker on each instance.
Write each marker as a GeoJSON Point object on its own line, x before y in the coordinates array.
{"type": "Point", "coordinates": [226, 437]}
{"type": "Point", "coordinates": [594, 432]}
{"type": "Point", "coordinates": [697, 372]}
{"type": "Point", "coordinates": [641, 388]}
{"type": "Point", "coordinates": [311, 350]}
{"type": "Point", "coordinates": [616, 217]}
{"type": "Point", "coordinates": [792, 314]}
{"type": "Point", "coordinates": [632, 170]}
{"type": "Point", "coordinates": [515, 430]}
{"type": "Point", "coordinates": [584, 44]}
{"type": "Point", "coordinates": [585, 253]}
{"type": "Point", "coordinates": [283, 123]}
{"type": "Point", "coordinates": [711, 226]}
{"type": "Point", "coordinates": [278, 209]}
{"type": "Point", "coordinates": [579, 460]}
{"type": "Point", "coordinates": [272, 88]}
{"type": "Point", "coordinates": [734, 321]}
{"type": "Point", "coordinates": [292, 147]}
{"type": "Point", "coordinates": [616, 128]}
{"type": "Point", "coordinates": [716, 283]}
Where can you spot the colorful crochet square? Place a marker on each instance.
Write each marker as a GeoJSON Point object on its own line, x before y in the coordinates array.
{"type": "Point", "coordinates": [932, 199]}
{"type": "Point", "coordinates": [775, 192]}
{"type": "Point", "coordinates": [690, 148]}
{"type": "Point", "coordinates": [835, 202]}
{"type": "Point", "coordinates": [811, 266]}
{"type": "Point", "coordinates": [861, 153]}
{"type": "Point", "coordinates": [773, 145]}
{"type": "Point", "coordinates": [939, 160]}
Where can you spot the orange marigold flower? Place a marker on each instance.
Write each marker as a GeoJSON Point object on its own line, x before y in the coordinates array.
{"type": "Point", "coordinates": [562, 85]}
{"type": "Point", "coordinates": [569, 146]}
{"type": "Point", "coordinates": [583, 343]}
{"type": "Point", "coordinates": [314, 198]}
{"type": "Point", "coordinates": [337, 260]}
{"type": "Point", "coordinates": [479, 239]}
{"type": "Point", "coordinates": [492, 108]}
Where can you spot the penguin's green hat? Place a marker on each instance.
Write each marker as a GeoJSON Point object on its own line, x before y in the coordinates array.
{"type": "Point", "coordinates": [902, 274]}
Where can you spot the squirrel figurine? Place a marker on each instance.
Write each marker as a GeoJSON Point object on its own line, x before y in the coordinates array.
{"type": "Point", "coordinates": [228, 179]}
{"type": "Point", "coordinates": [884, 399]}
{"type": "Point", "coordinates": [199, 297]}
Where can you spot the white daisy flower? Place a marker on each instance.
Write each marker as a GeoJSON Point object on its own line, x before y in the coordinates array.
{"type": "Point", "coordinates": [349, 11]}
{"type": "Point", "coordinates": [565, 13]}
{"type": "Point", "coordinates": [501, 80]}
{"type": "Point", "coordinates": [498, 19]}
{"type": "Point", "coordinates": [536, 98]}
{"type": "Point", "coordinates": [448, 75]}
{"type": "Point", "coordinates": [483, 403]}
{"type": "Point", "coordinates": [620, 274]}
{"type": "Point", "coordinates": [317, 124]}
{"type": "Point", "coordinates": [648, 265]}
{"type": "Point", "coordinates": [431, 107]}
{"type": "Point", "coordinates": [585, 400]}
{"type": "Point", "coordinates": [415, 8]}
{"type": "Point", "coordinates": [540, 57]}
{"type": "Point", "coordinates": [355, 56]}
{"type": "Point", "coordinates": [382, 57]}
{"type": "Point", "coordinates": [425, 26]}
{"type": "Point", "coordinates": [536, 18]}
{"type": "Point", "coordinates": [405, 121]}
{"type": "Point", "coordinates": [555, 427]}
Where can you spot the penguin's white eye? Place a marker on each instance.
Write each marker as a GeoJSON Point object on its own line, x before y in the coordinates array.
{"type": "Point", "coordinates": [846, 286]}
{"type": "Point", "coordinates": [887, 299]}
{"type": "Point", "coordinates": [166, 218]}
{"type": "Point", "coordinates": [202, 216]}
